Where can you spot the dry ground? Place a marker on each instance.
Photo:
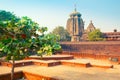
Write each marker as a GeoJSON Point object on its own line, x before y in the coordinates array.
{"type": "Point", "coordinates": [70, 73]}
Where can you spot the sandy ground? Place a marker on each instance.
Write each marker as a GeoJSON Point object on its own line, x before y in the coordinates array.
{"type": "Point", "coordinates": [70, 73]}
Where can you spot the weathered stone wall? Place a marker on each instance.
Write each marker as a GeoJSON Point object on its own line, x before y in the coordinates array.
{"type": "Point", "coordinates": [32, 76]}
{"type": "Point", "coordinates": [7, 76]}
{"type": "Point", "coordinates": [104, 47]}
{"type": "Point", "coordinates": [107, 50]}
{"type": "Point", "coordinates": [28, 76]}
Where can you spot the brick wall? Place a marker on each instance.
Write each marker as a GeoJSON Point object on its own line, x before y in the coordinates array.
{"type": "Point", "coordinates": [98, 50]}
{"type": "Point", "coordinates": [105, 47]}
{"type": "Point", "coordinates": [7, 76]}
{"type": "Point", "coordinates": [28, 76]}
{"type": "Point", "coordinates": [31, 76]}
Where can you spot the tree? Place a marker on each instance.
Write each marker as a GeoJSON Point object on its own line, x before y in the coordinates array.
{"type": "Point", "coordinates": [6, 15]}
{"type": "Point", "coordinates": [60, 31]}
{"type": "Point", "coordinates": [20, 35]}
{"type": "Point", "coordinates": [46, 44]}
{"type": "Point", "coordinates": [95, 35]}
{"type": "Point", "coordinates": [15, 39]}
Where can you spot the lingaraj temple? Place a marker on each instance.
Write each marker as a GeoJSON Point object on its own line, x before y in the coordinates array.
{"type": "Point", "coordinates": [75, 27]}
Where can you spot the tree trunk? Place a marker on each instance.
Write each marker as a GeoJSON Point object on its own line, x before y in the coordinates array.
{"type": "Point", "coordinates": [12, 70]}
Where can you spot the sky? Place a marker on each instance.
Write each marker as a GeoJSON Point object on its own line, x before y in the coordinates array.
{"type": "Point", "coordinates": [105, 14]}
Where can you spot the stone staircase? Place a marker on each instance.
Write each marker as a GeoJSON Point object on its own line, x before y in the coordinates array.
{"type": "Point", "coordinates": [65, 60]}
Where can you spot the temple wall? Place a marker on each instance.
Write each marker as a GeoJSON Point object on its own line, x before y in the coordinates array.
{"type": "Point", "coordinates": [107, 50]}
{"type": "Point", "coordinates": [7, 76]}
{"type": "Point", "coordinates": [104, 47]}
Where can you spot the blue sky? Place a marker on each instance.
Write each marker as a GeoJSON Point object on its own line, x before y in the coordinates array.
{"type": "Point", "coordinates": [105, 14]}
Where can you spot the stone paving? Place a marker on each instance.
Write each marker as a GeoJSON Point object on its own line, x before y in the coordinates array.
{"type": "Point", "coordinates": [62, 72]}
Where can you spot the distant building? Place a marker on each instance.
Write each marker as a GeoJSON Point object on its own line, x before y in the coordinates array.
{"type": "Point", "coordinates": [112, 36]}
{"type": "Point", "coordinates": [75, 27]}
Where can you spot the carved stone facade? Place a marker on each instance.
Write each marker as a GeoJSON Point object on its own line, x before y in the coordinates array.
{"type": "Point", "coordinates": [75, 26]}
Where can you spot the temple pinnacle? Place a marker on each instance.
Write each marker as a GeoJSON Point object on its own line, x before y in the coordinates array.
{"type": "Point", "coordinates": [75, 7]}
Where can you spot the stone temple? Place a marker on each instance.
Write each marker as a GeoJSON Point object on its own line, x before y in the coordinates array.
{"type": "Point", "coordinates": [75, 26]}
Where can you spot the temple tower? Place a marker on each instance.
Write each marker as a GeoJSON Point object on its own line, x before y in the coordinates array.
{"type": "Point", "coordinates": [90, 27]}
{"type": "Point", "coordinates": [75, 26]}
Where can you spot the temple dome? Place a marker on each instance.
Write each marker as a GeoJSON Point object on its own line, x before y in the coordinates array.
{"type": "Point", "coordinates": [75, 13]}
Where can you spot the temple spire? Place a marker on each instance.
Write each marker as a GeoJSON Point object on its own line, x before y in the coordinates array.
{"type": "Point", "coordinates": [90, 21]}
{"type": "Point", "coordinates": [75, 7]}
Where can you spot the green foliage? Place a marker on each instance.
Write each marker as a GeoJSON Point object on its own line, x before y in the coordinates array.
{"type": "Point", "coordinates": [60, 31]}
{"type": "Point", "coordinates": [42, 29]}
{"type": "Point", "coordinates": [46, 44]}
{"type": "Point", "coordinates": [15, 38]}
{"type": "Point", "coordinates": [5, 15]}
{"type": "Point", "coordinates": [95, 35]}
{"type": "Point", "coordinates": [19, 36]}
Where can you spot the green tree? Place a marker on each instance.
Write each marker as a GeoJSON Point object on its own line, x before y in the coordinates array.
{"type": "Point", "coordinates": [6, 15]}
{"type": "Point", "coordinates": [95, 35]}
{"type": "Point", "coordinates": [60, 31]}
{"type": "Point", "coordinates": [46, 44]}
{"type": "Point", "coordinates": [20, 35]}
{"type": "Point", "coordinates": [15, 39]}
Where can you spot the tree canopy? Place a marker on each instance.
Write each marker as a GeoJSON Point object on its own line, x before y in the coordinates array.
{"type": "Point", "coordinates": [60, 31]}
{"type": "Point", "coordinates": [15, 36]}
{"type": "Point", "coordinates": [18, 36]}
{"type": "Point", "coordinates": [6, 15]}
{"type": "Point", "coordinates": [95, 35]}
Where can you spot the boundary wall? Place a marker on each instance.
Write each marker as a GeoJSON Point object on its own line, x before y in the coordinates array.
{"type": "Point", "coordinates": [109, 50]}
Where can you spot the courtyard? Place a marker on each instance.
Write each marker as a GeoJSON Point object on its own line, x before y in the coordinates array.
{"type": "Point", "coordinates": [71, 72]}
